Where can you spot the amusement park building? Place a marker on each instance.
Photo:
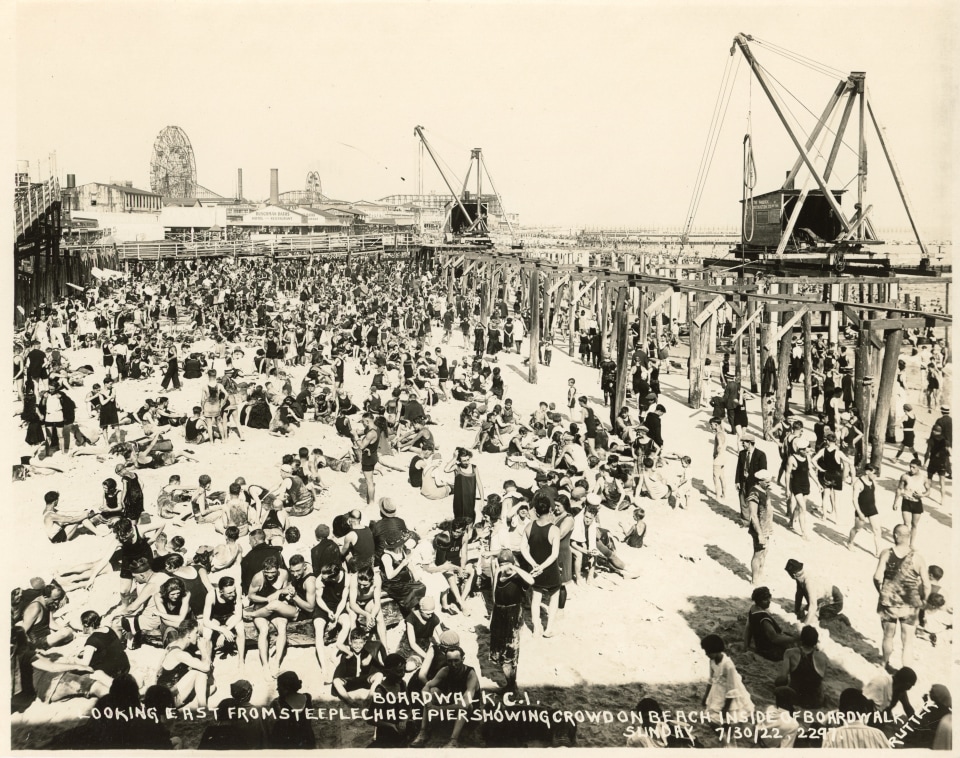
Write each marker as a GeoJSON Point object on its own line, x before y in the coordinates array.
{"type": "Point", "coordinates": [115, 198]}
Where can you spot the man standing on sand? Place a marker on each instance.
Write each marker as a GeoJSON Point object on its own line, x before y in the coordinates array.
{"type": "Point", "coordinates": [719, 459]}
{"type": "Point", "coordinates": [761, 522]}
{"type": "Point", "coordinates": [749, 461]}
{"type": "Point", "coordinates": [911, 490]}
{"type": "Point", "coordinates": [901, 580]}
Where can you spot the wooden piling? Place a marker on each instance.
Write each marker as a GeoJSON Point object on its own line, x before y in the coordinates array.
{"type": "Point", "coordinates": [547, 304]}
{"type": "Point", "coordinates": [833, 295]}
{"type": "Point", "coordinates": [768, 342]}
{"type": "Point", "coordinates": [572, 315]}
{"type": "Point", "coordinates": [752, 349]}
{"type": "Point", "coordinates": [807, 322]}
{"type": "Point", "coordinates": [623, 357]}
{"type": "Point", "coordinates": [862, 391]}
{"type": "Point", "coordinates": [695, 363]}
{"type": "Point", "coordinates": [892, 340]}
{"type": "Point", "coordinates": [784, 349]}
{"type": "Point", "coordinates": [534, 325]}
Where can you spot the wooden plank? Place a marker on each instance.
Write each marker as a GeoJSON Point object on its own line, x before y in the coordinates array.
{"type": "Point", "coordinates": [562, 280]}
{"type": "Point", "coordinates": [709, 310]}
{"type": "Point", "coordinates": [788, 326]}
{"type": "Point", "coordinates": [850, 314]}
{"type": "Point", "coordinates": [655, 306]}
{"type": "Point", "coordinates": [895, 323]}
{"type": "Point", "coordinates": [812, 306]}
{"type": "Point", "coordinates": [858, 279]}
{"type": "Point", "coordinates": [749, 320]}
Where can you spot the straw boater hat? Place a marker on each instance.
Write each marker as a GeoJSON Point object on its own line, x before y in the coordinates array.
{"type": "Point", "coordinates": [387, 508]}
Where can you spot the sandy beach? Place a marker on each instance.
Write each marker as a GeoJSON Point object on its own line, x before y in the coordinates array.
{"type": "Point", "coordinates": [618, 641]}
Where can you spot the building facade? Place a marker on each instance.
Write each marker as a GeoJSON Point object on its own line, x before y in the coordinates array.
{"type": "Point", "coordinates": [116, 198]}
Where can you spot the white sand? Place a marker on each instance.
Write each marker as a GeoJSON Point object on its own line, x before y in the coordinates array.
{"type": "Point", "coordinates": [629, 637]}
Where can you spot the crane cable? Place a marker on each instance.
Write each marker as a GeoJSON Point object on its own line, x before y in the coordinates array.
{"type": "Point", "coordinates": [803, 105]}
{"type": "Point", "coordinates": [803, 60]}
{"type": "Point", "coordinates": [749, 172]}
{"type": "Point", "coordinates": [709, 149]}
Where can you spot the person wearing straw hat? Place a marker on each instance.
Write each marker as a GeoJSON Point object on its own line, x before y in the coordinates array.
{"type": "Point", "coordinates": [761, 522]}
{"type": "Point", "coordinates": [389, 527]}
{"type": "Point", "coordinates": [749, 461]}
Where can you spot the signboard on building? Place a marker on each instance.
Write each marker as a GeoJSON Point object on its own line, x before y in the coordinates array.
{"type": "Point", "coordinates": [274, 216]}
{"type": "Point", "coordinates": [237, 212]}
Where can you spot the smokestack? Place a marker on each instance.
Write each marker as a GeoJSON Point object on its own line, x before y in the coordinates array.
{"type": "Point", "coordinates": [71, 181]}
{"type": "Point", "coordinates": [274, 187]}
{"type": "Point", "coordinates": [239, 184]}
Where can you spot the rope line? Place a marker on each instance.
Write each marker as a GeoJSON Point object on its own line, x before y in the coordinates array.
{"type": "Point", "coordinates": [799, 58]}
{"type": "Point", "coordinates": [713, 136]}
{"type": "Point", "coordinates": [824, 124]}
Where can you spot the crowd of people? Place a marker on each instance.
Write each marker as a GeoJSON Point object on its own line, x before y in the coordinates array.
{"type": "Point", "coordinates": [240, 356]}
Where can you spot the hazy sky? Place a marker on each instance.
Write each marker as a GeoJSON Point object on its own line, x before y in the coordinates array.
{"type": "Point", "coordinates": [587, 114]}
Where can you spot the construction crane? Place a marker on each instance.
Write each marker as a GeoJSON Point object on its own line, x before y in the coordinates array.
{"type": "Point", "coordinates": [471, 226]}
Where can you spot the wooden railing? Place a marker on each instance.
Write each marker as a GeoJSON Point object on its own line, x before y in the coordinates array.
{"type": "Point", "coordinates": [291, 246]}
{"type": "Point", "coordinates": [33, 201]}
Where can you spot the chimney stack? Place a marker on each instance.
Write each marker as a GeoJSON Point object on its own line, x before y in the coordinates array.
{"type": "Point", "coordinates": [274, 187]}
{"type": "Point", "coordinates": [239, 184]}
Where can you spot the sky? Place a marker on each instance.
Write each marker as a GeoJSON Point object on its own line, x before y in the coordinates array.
{"type": "Point", "coordinates": [587, 114]}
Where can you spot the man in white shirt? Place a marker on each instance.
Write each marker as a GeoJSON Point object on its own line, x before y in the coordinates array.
{"type": "Point", "coordinates": [886, 690]}
{"type": "Point", "coordinates": [855, 733]}
{"type": "Point", "coordinates": [583, 542]}
{"type": "Point", "coordinates": [780, 727]}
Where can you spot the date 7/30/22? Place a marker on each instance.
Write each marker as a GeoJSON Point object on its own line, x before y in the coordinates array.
{"type": "Point", "coordinates": [750, 732]}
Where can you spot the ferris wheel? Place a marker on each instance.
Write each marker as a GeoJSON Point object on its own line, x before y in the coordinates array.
{"type": "Point", "coordinates": [313, 183]}
{"type": "Point", "coordinates": [173, 168]}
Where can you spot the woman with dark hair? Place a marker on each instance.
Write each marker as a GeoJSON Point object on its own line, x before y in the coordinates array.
{"type": "Point", "coordinates": [496, 384]}
{"type": "Point", "coordinates": [421, 628]}
{"type": "Point", "coordinates": [184, 674]}
{"type": "Point", "coordinates": [107, 404]}
{"type": "Point", "coordinates": [510, 584]}
{"type": "Point", "coordinates": [798, 484]}
{"type": "Point", "coordinates": [564, 520]}
{"type": "Point", "coordinates": [725, 697]}
{"type": "Point", "coordinates": [131, 498]}
{"type": "Point", "coordinates": [30, 415]}
{"type": "Point", "coordinates": [541, 549]}
{"type": "Point", "coordinates": [166, 610]}
{"type": "Point", "coordinates": [196, 583]}
{"type": "Point", "coordinates": [363, 604]}
{"type": "Point", "coordinates": [466, 484]}
{"type": "Point", "coordinates": [295, 733]}
{"type": "Point", "coordinates": [488, 437]}
{"type": "Point", "coordinates": [368, 452]}
{"type": "Point", "coordinates": [110, 505]}
{"type": "Point", "coordinates": [450, 558]}
{"type": "Point", "coordinates": [399, 581]}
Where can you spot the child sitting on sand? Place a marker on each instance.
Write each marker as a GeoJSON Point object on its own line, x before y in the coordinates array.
{"type": "Point", "coordinates": [935, 618]}
{"type": "Point", "coordinates": [633, 537]}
